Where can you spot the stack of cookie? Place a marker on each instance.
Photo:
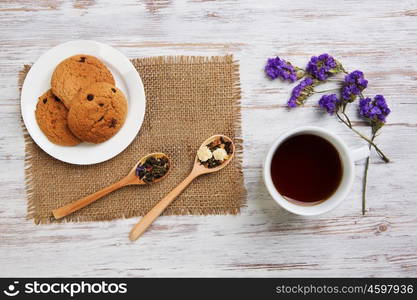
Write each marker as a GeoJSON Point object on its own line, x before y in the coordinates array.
{"type": "Point", "coordinates": [83, 104]}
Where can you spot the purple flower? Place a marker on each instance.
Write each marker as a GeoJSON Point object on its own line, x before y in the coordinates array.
{"type": "Point", "coordinates": [375, 110]}
{"type": "Point", "coordinates": [329, 102]}
{"type": "Point", "coordinates": [301, 92]}
{"type": "Point", "coordinates": [140, 171]}
{"type": "Point", "coordinates": [354, 84]}
{"type": "Point", "coordinates": [322, 66]}
{"type": "Point", "coordinates": [276, 67]}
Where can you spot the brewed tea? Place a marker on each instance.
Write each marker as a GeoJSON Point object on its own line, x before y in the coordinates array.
{"type": "Point", "coordinates": [306, 168]}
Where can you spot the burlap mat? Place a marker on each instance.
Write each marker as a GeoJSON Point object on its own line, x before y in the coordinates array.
{"type": "Point", "coordinates": [188, 100]}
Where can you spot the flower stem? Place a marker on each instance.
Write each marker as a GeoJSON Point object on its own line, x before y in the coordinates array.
{"type": "Point", "coordinates": [348, 120]}
{"type": "Point", "coordinates": [348, 124]}
{"type": "Point", "coordinates": [334, 80]}
{"type": "Point", "coordinates": [365, 177]}
{"type": "Point", "coordinates": [325, 91]}
{"type": "Point", "coordinates": [345, 115]}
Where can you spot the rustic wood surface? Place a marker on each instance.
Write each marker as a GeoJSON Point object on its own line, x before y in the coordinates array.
{"type": "Point", "coordinates": [378, 37]}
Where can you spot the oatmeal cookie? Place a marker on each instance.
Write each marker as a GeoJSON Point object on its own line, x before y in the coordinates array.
{"type": "Point", "coordinates": [97, 113]}
{"type": "Point", "coordinates": [76, 72]}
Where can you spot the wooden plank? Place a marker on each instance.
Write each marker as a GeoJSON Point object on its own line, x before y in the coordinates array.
{"type": "Point", "coordinates": [376, 37]}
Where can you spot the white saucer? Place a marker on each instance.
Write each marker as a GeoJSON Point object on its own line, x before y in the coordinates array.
{"type": "Point", "coordinates": [38, 81]}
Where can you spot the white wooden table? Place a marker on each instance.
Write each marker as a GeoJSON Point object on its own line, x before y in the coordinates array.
{"type": "Point", "coordinates": [378, 37]}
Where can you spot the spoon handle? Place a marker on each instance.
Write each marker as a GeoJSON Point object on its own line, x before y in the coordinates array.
{"type": "Point", "coordinates": [83, 202]}
{"type": "Point", "coordinates": [157, 210]}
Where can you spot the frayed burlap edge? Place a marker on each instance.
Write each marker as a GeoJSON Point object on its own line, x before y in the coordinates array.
{"type": "Point", "coordinates": [238, 160]}
{"type": "Point", "coordinates": [27, 164]}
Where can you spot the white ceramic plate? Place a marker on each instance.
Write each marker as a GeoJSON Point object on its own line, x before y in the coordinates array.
{"type": "Point", "coordinates": [127, 79]}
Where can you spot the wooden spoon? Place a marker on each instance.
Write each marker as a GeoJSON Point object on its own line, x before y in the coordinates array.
{"type": "Point", "coordinates": [130, 179]}
{"type": "Point", "coordinates": [197, 170]}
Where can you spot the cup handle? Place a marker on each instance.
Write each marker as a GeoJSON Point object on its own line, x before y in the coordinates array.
{"type": "Point", "coordinates": [360, 153]}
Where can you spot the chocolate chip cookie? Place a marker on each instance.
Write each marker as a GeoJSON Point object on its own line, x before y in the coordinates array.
{"type": "Point", "coordinates": [51, 115]}
{"type": "Point", "coordinates": [77, 72]}
{"type": "Point", "coordinates": [97, 112]}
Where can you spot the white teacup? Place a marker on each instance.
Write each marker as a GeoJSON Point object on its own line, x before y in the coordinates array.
{"type": "Point", "coordinates": [347, 157]}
